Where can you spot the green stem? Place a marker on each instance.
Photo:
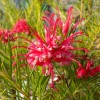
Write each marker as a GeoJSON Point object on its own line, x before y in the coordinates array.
{"type": "Point", "coordinates": [10, 58]}
{"type": "Point", "coordinates": [28, 82]}
{"type": "Point", "coordinates": [90, 4]}
{"type": "Point", "coordinates": [36, 88]}
{"type": "Point", "coordinates": [82, 5]}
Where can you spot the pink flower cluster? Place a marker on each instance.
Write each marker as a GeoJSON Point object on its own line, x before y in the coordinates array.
{"type": "Point", "coordinates": [6, 35]}
{"type": "Point", "coordinates": [56, 46]}
{"type": "Point", "coordinates": [20, 26]}
{"type": "Point", "coordinates": [87, 71]}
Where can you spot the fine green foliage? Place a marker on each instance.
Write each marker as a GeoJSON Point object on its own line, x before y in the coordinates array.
{"type": "Point", "coordinates": [22, 82]}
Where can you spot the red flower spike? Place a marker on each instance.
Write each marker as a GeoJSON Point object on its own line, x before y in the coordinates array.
{"type": "Point", "coordinates": [81, 72]}
{"type": "Point", "coordinates": [53, 47]}
{"type": "Point", "coordinates": [6, 35]}
{"type": "Point", "coordinates": [77, 23]}
{"type": "Point", "coordinates": [21, 26]}
{"type": "Point", "coordinates": [68, 21]}
{"type": "Point", "coordinates": [88, 71]}
{"type": "Point", "coordinates": [95, 71]}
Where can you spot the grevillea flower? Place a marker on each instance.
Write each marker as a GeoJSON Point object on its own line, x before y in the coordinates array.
{"type": "Point", "coordinates": [21, 26]}
{"type": "Point", "coordinates": [55, 47]}
{"type": "Point", "coordinates": [6, 35]}
{"type": "Point", "coordinates": [88, 71]}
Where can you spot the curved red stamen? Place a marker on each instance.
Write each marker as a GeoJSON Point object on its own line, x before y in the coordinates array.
{"type": "Point", "coordinates": [24, 39]}
{"type": "Point", "coordinates": [14, 47]}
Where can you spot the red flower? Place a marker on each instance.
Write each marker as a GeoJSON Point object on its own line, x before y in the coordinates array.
{"type": "Point", "coordinates": [88, 70]}
{"type": "Point", "coordinates": [56, 46]}
{"type": "Point", "coordinates": [21, 26]}
{"type": "Point", "coordinates": [68, 21]}
{"type": "Point", "coordinates": [5, 35]}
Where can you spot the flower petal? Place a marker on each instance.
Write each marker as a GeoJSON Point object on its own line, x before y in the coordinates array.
{"type": "Point", "coordinates": [68, 21]}
{"type": "Point", "coordinates": [95, 71]}
{"type": "Point", "coordinates": [81, 72]}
